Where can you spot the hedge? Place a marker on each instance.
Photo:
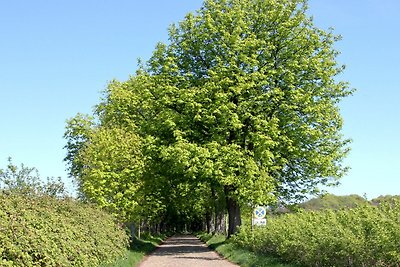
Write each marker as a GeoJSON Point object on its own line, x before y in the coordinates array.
{"type": "Point", "coordinates": [363, 236]}
{"type": "Point", "coordinates": [46, 231]}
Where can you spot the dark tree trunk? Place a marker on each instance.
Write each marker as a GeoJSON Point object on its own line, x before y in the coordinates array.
{"type": "Point", "coordinates": [219, 221]}
{"type": "Point", "coordinates": [234, 220]}
{"type": "Point", "coordinates": [218, 224]}
{"type": "Point", "coordinates": [208, 221]}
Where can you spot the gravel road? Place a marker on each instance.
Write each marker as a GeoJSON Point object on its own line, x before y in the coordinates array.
{"type": "Point", "coordinates": [184, 251]}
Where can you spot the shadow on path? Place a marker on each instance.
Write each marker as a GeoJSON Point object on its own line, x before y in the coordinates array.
{"type": "Point", "coordinates": [184, 250]}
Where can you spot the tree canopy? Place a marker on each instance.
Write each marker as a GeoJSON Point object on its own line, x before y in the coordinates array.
{"type": "Point", "coordinates": [330, 201]}
{"type": "Point", "coordinates": [241, 104]}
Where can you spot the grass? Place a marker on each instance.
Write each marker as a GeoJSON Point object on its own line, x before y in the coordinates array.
{"type": "Point", "coordinates": [243, 257]}
{"type": "Point", "coordinates": [138, 250]}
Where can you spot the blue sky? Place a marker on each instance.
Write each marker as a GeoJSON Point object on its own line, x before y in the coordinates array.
{"type": "Point", "coordinates": [57, 56]}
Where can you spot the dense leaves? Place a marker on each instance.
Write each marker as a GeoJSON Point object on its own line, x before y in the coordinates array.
{"type": "Point", "coordinates": [386, 198]}
{"type": "Point", "coordinates": [108, 163]}
{"type": "Point", "coordinates": [242, 102]}
{"type": "Point", "coordinates": [41, 226]}
{"type": "Point", "coordinates": [26, 181]}
{"type": "Point", "coordinates": [330, 201]}
{"type": "Point", "coordinates": [364, 236]}
{"type": "Point", "coordinates": [43, 231]}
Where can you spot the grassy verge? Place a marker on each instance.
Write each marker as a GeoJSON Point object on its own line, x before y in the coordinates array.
{"type": "Point", "coordinates": [138, 249]}
{"type": "Point", "coordinates": [243, 257]}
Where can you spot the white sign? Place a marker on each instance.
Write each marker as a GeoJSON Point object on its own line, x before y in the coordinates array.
{"type": "Point", "coordinates": [260, 222]}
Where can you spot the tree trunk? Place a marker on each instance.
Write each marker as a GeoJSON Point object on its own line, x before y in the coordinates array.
{"type": "Point", "coordinates": [234, 220]}
{"type": "Point", "coordinates": [139, 228]}
{"type": "Point", "coordinates": [219, 219]}
{"type": "Point", "coordinates": [208, 221]}
{"type": "Point", "coordinates": [219, 222]}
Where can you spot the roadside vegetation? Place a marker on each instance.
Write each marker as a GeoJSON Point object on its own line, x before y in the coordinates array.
{"type": "Point", "coordinates": [44, 227]}
{"type": "Point", "coordinates": [44, 231]}
{"type": "Point", "coordinates": [239, 255]}
{"type": "Point", "coordinates": [240, 108]}
{"type": "Point", "coordinates": [329, 201]}
{"type": "Point", "coordinates": [367, 235]}
{"type": "Point", "coordinates": [138, 249]}
{"type": "Point", "coordinates": [41, 226]}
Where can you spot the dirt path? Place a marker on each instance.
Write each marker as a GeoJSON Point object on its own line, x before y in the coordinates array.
{"type": "Point", "coordinates": [184, 251]}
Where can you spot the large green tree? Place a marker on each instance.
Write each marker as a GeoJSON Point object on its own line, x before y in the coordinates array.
{"type": "Point", "coordinates": [252, 85]}
{"type": "Point", "coordinates": [243, 100]}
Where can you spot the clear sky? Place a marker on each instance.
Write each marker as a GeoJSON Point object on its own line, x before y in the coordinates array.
{"type": "Point", "coordinates": [57, 56]}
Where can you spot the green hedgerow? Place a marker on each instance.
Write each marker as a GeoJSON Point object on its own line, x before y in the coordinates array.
{"type": "Point", "coordinates": [48, 231]}
{"type": "Point", "coordinates": [363, 236]}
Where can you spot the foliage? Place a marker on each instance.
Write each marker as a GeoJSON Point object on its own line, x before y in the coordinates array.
{"type": "Point", "coordinates": [239, 98]}
{"type": "Point", "coordinates": [363, 236]}
{"type": "Point", "coordinates": [241, 104]}
{"type": "Point", "coordinates": [26, 181]}
{"type": "Point", "coordinates": [77, 134]}
{"type": "Point", "coordinates": [138, 249]}
{"type": "Point", "coordinates": [41, 226]}
{"type": "Point", "coordinates": [107, 163]}
{"type": "Point", "coordinates": [385, 199]}
{"type": "Point", "coordinates": [239, 255]}
{"type": "Point", "coordinates": [330, 201]}
{"type": "Point", "coordinates": [45, 231]}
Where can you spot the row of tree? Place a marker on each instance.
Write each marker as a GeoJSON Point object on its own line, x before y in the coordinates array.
{"type": "Point", "coordinates": [239, 108]}
{"type": "Point", "coordinates": [333, 202]}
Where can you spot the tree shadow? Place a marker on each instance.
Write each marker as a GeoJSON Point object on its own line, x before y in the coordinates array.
{"type": "Point", "coordinates": [214, 246]}
{"type": "Point", "coordinates": [144, 246]}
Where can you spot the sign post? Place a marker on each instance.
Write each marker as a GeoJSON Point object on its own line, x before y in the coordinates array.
{"type": "Point", "coordinates": [259, 216]}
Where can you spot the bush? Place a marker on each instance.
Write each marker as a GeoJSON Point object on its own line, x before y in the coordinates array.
{"type": "Point", "coordinates": [364, 236]}
{"type": "Point", "coordinates": [26, 181]}
{"type": "Point", "coordinates": [46, 231]}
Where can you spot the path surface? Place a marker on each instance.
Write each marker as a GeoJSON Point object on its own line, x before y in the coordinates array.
{"type": "Point", "coordinates": [184, 251]}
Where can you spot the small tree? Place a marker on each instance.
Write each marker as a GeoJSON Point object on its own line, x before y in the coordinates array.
{"type": "Point", "coordinates": [107, 162]}
{"type": "Point", "coordinates": [26, 181]}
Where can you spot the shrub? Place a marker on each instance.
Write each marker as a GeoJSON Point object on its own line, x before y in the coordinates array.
{"type": "Point", "coordinates": [364, 236]}
{"type": "Point", "coordinates": [46, 231]}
